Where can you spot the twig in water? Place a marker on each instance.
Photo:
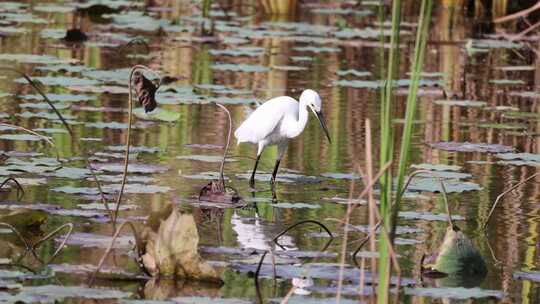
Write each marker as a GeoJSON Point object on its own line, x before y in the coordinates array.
{"type": "Point", "coordinates": [42, 137]}
{"type": "Point", "coordinates": [51, 235]}
{"type": "Point", "coordinates": [138, 245]}
{"type": "Point", "coordinates": [70, 131]}
{"type": "Point", "coordinates": [19, 236]}
{"type": "Point", "coordinates": [301, 223]}
{"type": "Point", "coordinates": [20, 190]}
{"type": "Point", "coordinates": [443, 192]}
{"type": "Point", "coordinates": [222, 167]}
{"type": "Point", "coordinates": [503, 194]}
{"type": "Point", "coordinates": [519, 14]}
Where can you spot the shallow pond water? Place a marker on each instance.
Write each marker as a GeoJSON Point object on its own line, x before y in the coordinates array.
{"type": "Point", "coordinates": [490, 113]}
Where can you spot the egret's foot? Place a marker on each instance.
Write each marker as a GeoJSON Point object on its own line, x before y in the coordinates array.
{"type": "Point", "coordinates": [252, 182]}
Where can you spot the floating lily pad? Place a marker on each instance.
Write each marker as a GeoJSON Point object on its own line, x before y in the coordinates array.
{"type": "Point", "coordinates": [204, 158]}
{"type": "Point", "coordinates": [238, 52]}
{"type": "Point", "coordinates": [454, 293]}
{"type": "Point", "coordinates": [132, 168]}
{"type": "Point", "coordinates": [517, 68]}
{"type": "Point", "coordinates": [353, 73]}
{"type": "Point", "coordinates": [507, 81]}
{"type": "Point", "coordinates": [436, 167]}
{"type": "Point", "coordinates": [157, 114]}
{"type": "Point", "coordinates": [433, 185]}
{"type": "Point", "coordinates": [60, 97]}
{"type": "Point", "coordinates": [337, 175]}
{"type": "Point", "coordinates": [39, 59]}
{"type": "Point", "coordinates": [283, 177]}
{"type": "Point", "coordinates": [53, 293]}
{"type": "Point", "coordinates": [471, 147]}
{"type": "Point", "coordinates": [27, 137]}
{"type": "Point", "coordinates": [296, 206]}
{"type": "Point", "coordinates": [527, 275]}
{"type": "Point", "coordinates": [61, 81]}
{"type": "Point", "coordinates": [504, 126]}
{"type": "Point", "coordinates": [240, 68]}
{"type": "Point", "coordinates": [461, 103]}
{"type": "Point", "coordinates": [428, 216]}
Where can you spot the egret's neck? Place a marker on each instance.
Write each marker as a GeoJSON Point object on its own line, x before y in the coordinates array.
{"type": "Point", "coordinates": [299, 125]}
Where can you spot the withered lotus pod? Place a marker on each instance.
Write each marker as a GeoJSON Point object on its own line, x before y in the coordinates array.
{"type": "Point", "coordinates": [146, 91]}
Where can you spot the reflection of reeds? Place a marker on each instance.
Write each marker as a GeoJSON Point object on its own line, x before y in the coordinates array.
{"type": "Point", "coordinates": [279, 7]}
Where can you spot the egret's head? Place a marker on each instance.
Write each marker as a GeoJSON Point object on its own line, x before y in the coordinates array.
{"type": "Point", "coordinates": [313, 101]}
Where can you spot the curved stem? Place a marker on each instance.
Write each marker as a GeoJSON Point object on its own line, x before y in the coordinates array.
{"type": "Point", "coordinates": [128, 137]}
{"type": "Point", "coordinates": [503, 194]}
{"type": "Point", "coordinates": [138, 244]}
{"type": "Point", "coordinates": [19, 235]}
{"type": "Point", "coordinates": [42, 137]}
{"type": "Point", "coordinates": [222, 167]}
{"type": "Point", "coordinates": [443, 191]}
{"type": "Point", "coordinates": [70, 131]}
{"type": "Point", "coordinates": [52, 234]}
{"type": "Point", "coordinates": [298, 224]}
{"type": "Point", "coordinates": [20, 189]}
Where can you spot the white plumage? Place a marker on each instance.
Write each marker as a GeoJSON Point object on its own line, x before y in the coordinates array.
{"type": "Point", "coordinates": [278, 120]}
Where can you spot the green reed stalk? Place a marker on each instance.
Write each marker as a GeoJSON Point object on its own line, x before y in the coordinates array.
{"type": "Point", "coordinates": [416, 69]}
{"type": "Point", "coordinates": [387, 148]}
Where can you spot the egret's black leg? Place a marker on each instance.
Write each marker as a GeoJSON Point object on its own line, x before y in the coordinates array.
{"type": "Point", "coordinates": [276, 167]}
{"type": "Point", "coordinates": [252, 179]}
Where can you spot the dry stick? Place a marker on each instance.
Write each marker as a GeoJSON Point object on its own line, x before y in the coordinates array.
{"type": "Point", "coordinates": [222, 167]}
{"type": "Point", "coordinates": [52, 234]}
{"type": "Point", "coordinates": [524, 32]}
{"type": "Point", "coordinates": [138, 244]}
{"type": "Point", "coordinates": [443, 191]}
{"type": "Point", "coordinates": [19, 236]}
{"type": "Point", "coordinates": [128, 137]}
{"type": "Point", "coordinates": [362, 278]}
{"type": "Point", "coordinates": [42, 137]}
{"type": "Point", "coordinates": [19, 187]}
{"type": "Point", "coordinates": [371, 201]}
{"type": "Point", "coordinates": [506, 192]}
{"type": "Point", "coordinates": [68, 128]}
{"type": "Point", "coordinates": [519, 14]}
{"type": "Point", "coordinates": [344, 243]}
{"type": "Point", "coordinates": [350, 208]}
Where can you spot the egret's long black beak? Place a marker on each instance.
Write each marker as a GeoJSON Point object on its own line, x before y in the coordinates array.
{"type": "Point", "coordinates": [320, 117]}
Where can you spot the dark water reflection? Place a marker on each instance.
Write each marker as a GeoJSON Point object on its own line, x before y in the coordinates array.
{"type": "Point", "coordinates": [513, 232]}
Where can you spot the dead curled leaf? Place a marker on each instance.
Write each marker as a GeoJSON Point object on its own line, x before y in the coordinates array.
{"type": "Point", "coordinates": [173, 250]}
{"type": "Point", "coordinates": [146, 91]}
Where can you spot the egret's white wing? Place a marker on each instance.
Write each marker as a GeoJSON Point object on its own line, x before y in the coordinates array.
{"type": "Point", "coordinates": [264, 119]}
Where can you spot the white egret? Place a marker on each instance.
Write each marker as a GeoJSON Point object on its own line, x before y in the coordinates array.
{"type": "Point", "coordinates": [276, 122]}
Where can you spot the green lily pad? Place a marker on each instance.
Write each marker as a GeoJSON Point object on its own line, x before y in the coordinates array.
{"type": "Point", "coordinates": [429, 184]}
{"type": "Point", "coordinates": [436, 167]}
{"type": "Point", "coordinates": [454, 293]}
{"type": "Point", "coordinates": [353, 73]}
{"type": "Point", "coordinates": [157, 114]}
{"type": "Point", "coordinates": [61, 81]}
{"type": "Point", "coordinates": [204, 158]}
{"type": "Point", "coordinates": [428, 216]}
{"type": "Point", "coordinates": [26, 137]}
{"type": "Point", "coordinates": [54, 293]}
{"type": "Point", "coordinates": [38, 59]}
{"type": "Point", "coordinates": [507, 81]}
{"type": "Point", "coordinates": [461, 103]}
{"type": "Point", "coordinates": [296, 206]}
{"type": "Point", "coordinates": [248, 68]}
{"type": "Point", "coordinates": [471, 147]}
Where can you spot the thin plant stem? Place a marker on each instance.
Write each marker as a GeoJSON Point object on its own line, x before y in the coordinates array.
{"type": "Point", "coordinates": [138, 244]}
{"type": "Point", "coordinates": [442, 187]}
{"type": "Point", "coordinates": [222, 167]}
{"type": "Point", "coordinates": [42, 137]}
{"type": "Point", "coordinates": [500, 196]}
{"type": "Point", "coordinates": [344, 243]}
{"type": "Point", "coordinates": [51, 235]}
{"type": "Point", "coordinates": [371, 200]}
{"type": "Point", "coordinates": [128, 136]}
{"type": "Point", "coordinates": [71, 133]}
{"type": "Point", "coordinates": [20, 190]}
